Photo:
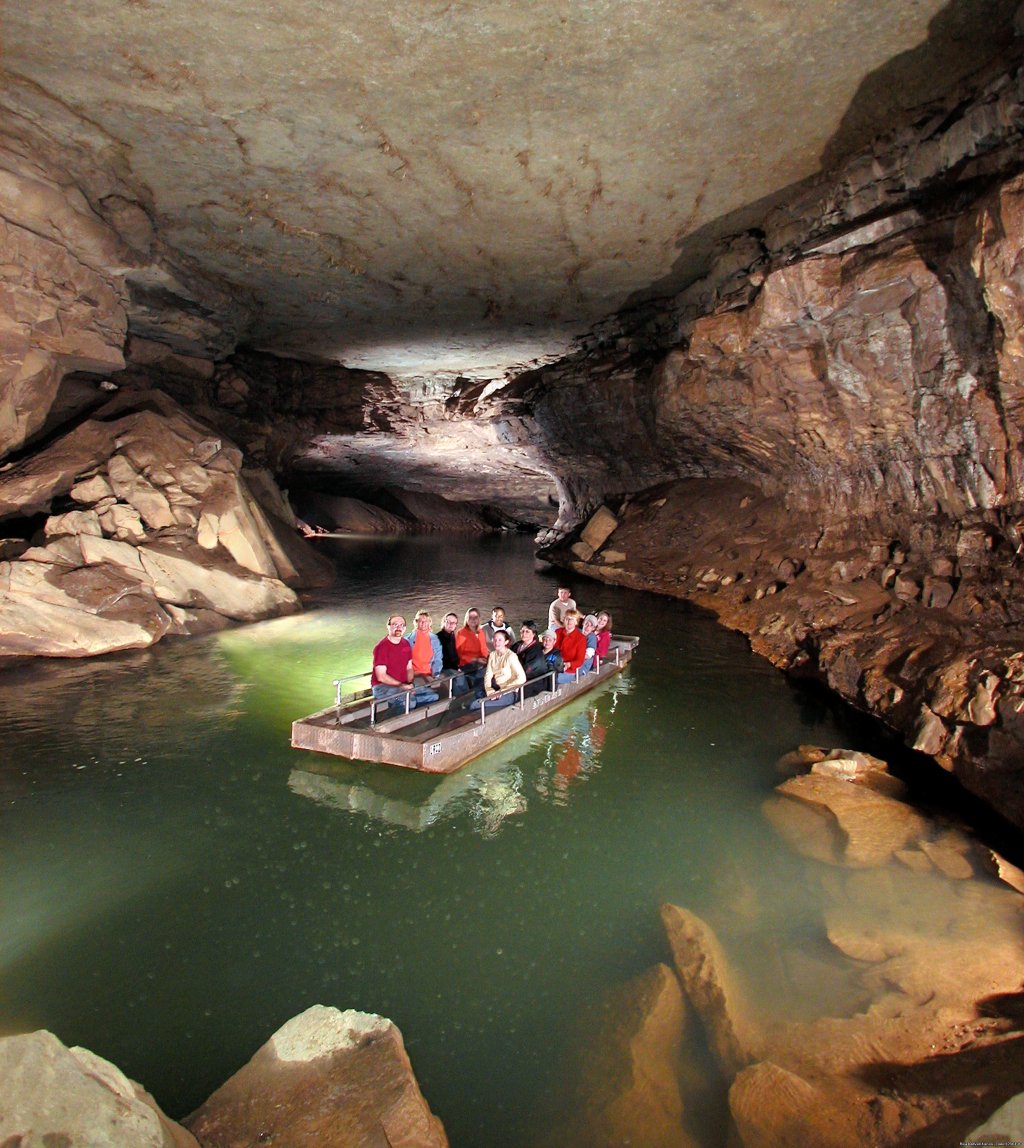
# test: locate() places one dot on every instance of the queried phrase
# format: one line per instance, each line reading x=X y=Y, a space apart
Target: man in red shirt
x=392 y=671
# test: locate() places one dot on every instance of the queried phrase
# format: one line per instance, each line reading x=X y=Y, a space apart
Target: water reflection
x=561 y=751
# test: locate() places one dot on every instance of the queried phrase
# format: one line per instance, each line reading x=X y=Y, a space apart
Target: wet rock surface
x=816 y=597
x=166 y=536
x=325 y=1077
x=53 y=1095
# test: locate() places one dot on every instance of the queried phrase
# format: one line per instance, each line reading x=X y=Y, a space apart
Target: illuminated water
x=177 y=881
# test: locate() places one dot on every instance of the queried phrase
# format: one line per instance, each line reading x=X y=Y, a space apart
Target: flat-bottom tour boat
x=441 y=736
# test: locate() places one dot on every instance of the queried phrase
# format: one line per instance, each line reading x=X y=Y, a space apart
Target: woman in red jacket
x=572 y=645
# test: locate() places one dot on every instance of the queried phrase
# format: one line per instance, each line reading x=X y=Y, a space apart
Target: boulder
x=173 y=534
x=711 y=989
x=599 y=529
x=325 y=1078
x=51 y=1096
x=641 y=1079
x=775 y=1108
x=870 y=825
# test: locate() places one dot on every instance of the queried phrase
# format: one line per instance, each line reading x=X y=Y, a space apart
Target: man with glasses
x=392 y=669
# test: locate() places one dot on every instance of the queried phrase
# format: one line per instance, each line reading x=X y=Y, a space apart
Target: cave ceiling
x=441 y=189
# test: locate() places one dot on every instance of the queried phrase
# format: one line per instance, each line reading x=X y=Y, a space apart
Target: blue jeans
x=491 y=704
x=420 y=696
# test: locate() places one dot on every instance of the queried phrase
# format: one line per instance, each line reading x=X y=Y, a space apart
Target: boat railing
x=449 y=681
x=552 y=677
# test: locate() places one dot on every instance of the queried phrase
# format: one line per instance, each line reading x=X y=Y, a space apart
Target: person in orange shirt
x=472 y=646
x=426 y=650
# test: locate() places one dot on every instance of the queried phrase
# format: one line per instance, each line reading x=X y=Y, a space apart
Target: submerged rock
x=863 y=827
x=711 y=989
x=641 y=1078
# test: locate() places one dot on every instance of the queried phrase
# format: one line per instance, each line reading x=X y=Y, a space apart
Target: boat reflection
x=489 y=790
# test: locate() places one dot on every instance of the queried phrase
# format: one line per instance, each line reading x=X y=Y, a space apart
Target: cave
x=719 y=304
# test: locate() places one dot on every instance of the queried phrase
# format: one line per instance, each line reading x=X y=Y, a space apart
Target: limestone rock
x=641 y=1081
x=871 y=826
x=325 y=1077
x=110 y=571
x=774 y=1108
x=51 y=1095
x=599 y=528
x=711 y=989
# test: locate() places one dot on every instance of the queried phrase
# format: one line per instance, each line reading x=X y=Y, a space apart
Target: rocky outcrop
x=326 y=1077
x=918 y=1026
x=51 y=1095
x=642 y=1079
x=152 y=528
x=855 y=605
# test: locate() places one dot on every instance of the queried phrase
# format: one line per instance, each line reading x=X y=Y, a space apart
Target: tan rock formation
x=175 y=535
x=325 y=1077
x=50 y=1094
x=641 y=1077
x=870 y=826
x=712 y=990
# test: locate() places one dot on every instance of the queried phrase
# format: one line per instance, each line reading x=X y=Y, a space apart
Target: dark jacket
x=449 y=654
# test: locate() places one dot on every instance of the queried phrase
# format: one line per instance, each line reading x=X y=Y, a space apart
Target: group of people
x=486 y=662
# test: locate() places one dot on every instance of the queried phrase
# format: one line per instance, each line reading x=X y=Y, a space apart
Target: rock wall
x=826 y=450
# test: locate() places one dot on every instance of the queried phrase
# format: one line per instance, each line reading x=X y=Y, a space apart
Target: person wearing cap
x=552 y=657
x=589 y=629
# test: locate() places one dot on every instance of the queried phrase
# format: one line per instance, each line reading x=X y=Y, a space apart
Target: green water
x=177 y=881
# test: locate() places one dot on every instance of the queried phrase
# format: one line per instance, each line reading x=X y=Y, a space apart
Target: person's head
x=548 y=639
x=564 y=593
x=528 y=632
x=589 y=623
x=451 y=622
x=473 y=618
x=498 y=615
x=500 y=640
x=571 y=620
x=396 y=626
x=422 y=620
x=604 y=620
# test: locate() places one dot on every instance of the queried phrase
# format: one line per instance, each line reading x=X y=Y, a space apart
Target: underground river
x=177 y=882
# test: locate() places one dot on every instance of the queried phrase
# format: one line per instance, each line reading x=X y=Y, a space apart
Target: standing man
x=559 y=608
x=392 y=671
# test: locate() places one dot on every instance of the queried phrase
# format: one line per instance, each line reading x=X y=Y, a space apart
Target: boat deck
x=442 y=736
